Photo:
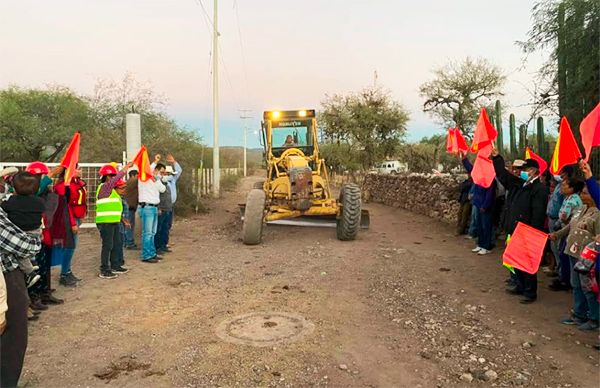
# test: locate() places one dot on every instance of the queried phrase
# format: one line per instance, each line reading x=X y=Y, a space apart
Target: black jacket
x=527 y=203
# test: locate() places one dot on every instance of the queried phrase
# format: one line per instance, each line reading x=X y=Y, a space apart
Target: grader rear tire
x=254 y=217
x=348 y=222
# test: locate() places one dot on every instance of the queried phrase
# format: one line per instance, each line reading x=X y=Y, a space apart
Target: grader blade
x=314 y=221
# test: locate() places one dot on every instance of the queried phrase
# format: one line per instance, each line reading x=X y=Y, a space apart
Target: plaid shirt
x=14 y=243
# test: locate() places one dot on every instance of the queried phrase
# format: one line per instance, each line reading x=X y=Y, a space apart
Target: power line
x=243 y=51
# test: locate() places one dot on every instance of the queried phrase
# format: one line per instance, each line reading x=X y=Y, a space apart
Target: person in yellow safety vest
x=108 y=217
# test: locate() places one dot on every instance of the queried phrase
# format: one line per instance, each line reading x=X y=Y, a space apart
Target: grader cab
x=297 y=188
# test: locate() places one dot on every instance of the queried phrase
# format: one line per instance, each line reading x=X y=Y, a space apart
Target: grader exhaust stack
x=297 y=189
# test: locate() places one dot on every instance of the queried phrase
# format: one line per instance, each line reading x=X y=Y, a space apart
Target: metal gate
x=89 y=173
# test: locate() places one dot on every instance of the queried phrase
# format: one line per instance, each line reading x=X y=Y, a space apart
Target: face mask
x=558 y=178
x=166 y=179
x=524 y=175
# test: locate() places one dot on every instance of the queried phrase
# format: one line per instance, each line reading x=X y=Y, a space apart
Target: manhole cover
x=264 y=329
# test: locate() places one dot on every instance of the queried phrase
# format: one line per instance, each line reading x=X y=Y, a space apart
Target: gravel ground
x=405 y=305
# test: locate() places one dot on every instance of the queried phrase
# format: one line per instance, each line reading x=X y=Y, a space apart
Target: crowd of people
x=40 y=215
x=565 y=206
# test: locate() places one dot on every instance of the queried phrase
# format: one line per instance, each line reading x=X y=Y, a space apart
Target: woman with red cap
x=41 y=292
x=65 y=224
x=108 y=218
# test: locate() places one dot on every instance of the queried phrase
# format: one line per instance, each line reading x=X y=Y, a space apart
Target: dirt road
x=405 y=305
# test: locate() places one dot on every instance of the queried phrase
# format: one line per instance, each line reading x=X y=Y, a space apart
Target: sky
x=275 y=54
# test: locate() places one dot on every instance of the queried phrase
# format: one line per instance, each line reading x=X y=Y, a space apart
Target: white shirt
x=149 y=191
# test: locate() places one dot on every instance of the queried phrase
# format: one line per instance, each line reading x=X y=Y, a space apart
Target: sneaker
x=151 y=260
x=556 y=285
x=120 y=270
x=31 y=279
x=66 y=281
x=476 y=249
x=132 y=248
x=49 y=299
x=37 y=305
x=513 y=291
x=157 y=257
x=165 y=250
x=484 y=251
x=73 y=277
x=469 y=237
x=589 y=326
x=107 y=275
x=572 y=320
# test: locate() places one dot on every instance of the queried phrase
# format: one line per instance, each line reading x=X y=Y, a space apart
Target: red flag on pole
x=590 y=131
x=142 y=162
x=529 y=154
x=485 y=133
x=460 y=141
x=566 y=150
x=71 y=158
x=451 y=141
x=525 y=249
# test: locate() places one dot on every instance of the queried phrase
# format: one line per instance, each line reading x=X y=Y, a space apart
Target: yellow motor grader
x=296 y=190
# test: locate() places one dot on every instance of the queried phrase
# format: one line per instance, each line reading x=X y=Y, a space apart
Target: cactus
x=540 y=138
x=513 y=136
x=522 y=138
x=498 y=114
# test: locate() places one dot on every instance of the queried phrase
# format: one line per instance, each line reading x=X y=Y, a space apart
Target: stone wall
x=433 y=196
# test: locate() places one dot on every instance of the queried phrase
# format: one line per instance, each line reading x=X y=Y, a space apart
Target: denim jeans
x=474 y=221
x=112 y=244
x=164 y=227
x=564 y=272
x=149 y=219
x=484 y=230
x=64 y=256
x=585 y=304
x=129 y=240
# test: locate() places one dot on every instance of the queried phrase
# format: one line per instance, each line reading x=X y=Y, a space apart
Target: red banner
x=525 y=249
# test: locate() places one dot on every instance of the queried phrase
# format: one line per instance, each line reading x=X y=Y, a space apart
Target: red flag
x=525 y=249
x=142 y=162
x=451 y=141
x=483 y=172
x=529 y=154
x=71 y=158
x=460 y=140
x=485 y=133
x=590 y=131
x=566 y=151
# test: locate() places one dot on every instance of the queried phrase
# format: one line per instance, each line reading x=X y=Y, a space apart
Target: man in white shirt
x=148 y=200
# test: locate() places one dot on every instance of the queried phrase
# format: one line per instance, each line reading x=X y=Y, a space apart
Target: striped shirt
x=14 y=243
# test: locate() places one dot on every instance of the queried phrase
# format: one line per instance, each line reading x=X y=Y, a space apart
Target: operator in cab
x=289 y=141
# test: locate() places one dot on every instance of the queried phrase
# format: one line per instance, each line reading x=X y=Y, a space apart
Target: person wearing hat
x=108 y=218
x=6 y=175
x=528 y=205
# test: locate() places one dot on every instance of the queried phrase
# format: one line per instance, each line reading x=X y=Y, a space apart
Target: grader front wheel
x=253 y=217
x=348 y=221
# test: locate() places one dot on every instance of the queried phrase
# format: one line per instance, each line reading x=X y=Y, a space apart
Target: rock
x=481 y=360
x=343 y=367
x=527 y=345
x=466 y=377
x=490 y=375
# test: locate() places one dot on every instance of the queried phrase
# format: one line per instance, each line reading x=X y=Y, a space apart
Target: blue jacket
x=482 y=198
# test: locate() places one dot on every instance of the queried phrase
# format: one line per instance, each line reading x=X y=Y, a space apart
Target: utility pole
x=216 y=166
x=244 y=117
